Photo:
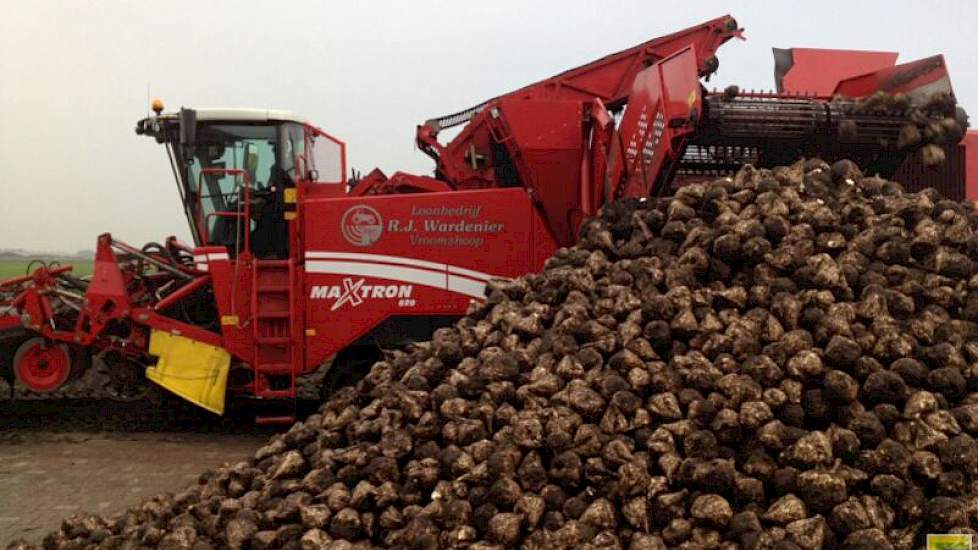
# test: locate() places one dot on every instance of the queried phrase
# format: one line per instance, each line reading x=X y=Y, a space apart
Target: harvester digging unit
x=293 y=264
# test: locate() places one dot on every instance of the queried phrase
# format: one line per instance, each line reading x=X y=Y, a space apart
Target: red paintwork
x=818 y=71
x=107 y=301
x=430 y=275
x=39 y=276
x=9 y=322
x=152 y=319
x=665 y=103
x=182 y=293
x=542 y=129
x=35 y=311
x=43 y=366
x=107 y=295
x=922 y=78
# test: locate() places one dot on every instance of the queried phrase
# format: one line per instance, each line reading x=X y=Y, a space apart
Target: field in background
x=16 y=268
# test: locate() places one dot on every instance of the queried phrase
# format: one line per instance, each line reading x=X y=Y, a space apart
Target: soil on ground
x=61 y=457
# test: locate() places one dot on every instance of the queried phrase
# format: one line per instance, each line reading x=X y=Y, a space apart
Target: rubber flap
x=195 y=371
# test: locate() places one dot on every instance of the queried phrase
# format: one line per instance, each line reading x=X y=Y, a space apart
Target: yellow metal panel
x=288 y=195
x=290 y=215
x=231 y=320
x=195 y=371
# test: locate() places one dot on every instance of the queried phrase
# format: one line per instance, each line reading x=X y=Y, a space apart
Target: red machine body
x=301 y=266
x=813 y=71
x=430 y=256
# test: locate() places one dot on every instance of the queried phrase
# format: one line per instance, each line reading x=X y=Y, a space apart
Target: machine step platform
x=277 y=357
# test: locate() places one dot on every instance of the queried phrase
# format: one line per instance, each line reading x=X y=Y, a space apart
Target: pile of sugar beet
x=783 y=359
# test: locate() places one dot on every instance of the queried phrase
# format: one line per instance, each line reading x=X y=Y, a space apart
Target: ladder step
x=273 y=315
x=273 y=339
x=276 y=394
x=274 y=264
x=274 y=368
x=274 y=420
x=273 y=289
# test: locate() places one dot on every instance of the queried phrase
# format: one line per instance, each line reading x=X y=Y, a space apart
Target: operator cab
x=238 y=171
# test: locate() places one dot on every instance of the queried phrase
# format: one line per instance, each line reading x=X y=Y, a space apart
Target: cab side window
x=293 y=149
x=326 y=158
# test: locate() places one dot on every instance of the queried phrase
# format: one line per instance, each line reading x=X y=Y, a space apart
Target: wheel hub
x=42 y=366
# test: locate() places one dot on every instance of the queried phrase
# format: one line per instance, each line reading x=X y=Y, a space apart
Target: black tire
x=9 y=342
x=128 y=382
x=81 y=361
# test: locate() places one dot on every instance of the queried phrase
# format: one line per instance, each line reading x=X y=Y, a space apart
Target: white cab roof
x=244 y=115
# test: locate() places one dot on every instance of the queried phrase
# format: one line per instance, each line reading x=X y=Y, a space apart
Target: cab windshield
x=224 y=159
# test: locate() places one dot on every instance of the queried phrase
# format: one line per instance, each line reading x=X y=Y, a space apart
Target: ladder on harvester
x=276 y=357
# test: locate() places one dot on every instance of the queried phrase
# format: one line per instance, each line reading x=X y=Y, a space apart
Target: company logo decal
x=357 y=292
x=361 y=225
x=949 y=542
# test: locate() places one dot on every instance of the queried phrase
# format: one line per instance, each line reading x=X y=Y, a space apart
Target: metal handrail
x=246 y=214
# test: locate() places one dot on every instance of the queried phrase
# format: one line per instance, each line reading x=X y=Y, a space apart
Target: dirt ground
x=62 y=457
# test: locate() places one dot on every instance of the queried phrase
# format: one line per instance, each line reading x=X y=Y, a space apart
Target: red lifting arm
x=609 y=78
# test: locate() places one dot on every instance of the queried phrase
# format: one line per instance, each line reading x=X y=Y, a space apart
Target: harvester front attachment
x=138 y=303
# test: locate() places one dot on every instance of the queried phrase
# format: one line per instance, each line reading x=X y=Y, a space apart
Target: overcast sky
x=74 y=76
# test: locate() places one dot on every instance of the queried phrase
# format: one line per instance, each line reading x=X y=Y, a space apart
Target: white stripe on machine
x=391 y=272
x=400 y=260
x=215 y=257
x=408 y=270
x=373 y=258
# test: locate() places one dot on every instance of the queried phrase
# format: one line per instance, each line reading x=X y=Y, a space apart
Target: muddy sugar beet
x=783 y=359
x=931 y=125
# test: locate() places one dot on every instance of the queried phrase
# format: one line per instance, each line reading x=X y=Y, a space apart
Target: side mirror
x=188 y=131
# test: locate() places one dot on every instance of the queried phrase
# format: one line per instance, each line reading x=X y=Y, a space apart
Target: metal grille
x=758 y=118
x=715 y=160
x=455 y=119
x=766 y=117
